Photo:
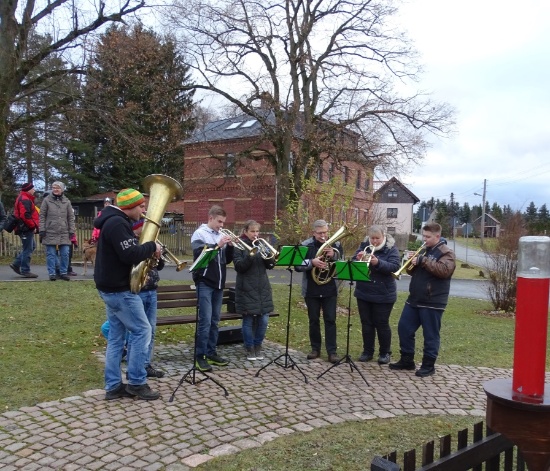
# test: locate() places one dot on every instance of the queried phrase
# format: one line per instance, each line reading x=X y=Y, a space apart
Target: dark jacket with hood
x=253 y=290
x=214 y=274
x=117 y=251
x=309 y=287
x=382 y=287
x=431 y=277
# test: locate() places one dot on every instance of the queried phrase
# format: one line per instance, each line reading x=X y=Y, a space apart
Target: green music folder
x=291 y=255
x=206 y=256
x=353 y=271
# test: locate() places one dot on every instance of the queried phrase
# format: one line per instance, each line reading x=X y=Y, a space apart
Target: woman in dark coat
x=375 y=298
x=253 y=298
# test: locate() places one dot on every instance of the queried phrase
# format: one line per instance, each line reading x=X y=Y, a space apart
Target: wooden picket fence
x=488 y=450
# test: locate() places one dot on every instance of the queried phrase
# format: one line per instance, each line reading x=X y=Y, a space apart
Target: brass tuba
x=162 y=190
x=323 y=276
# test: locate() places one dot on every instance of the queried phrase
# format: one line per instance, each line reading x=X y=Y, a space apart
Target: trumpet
x=265 y=249
x=169 y=256
x=238 y=242
x=405 y=266
x=366 y=257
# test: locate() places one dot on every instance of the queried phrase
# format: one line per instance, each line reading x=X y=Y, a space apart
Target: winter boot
x=406 y=362
x=427 y=368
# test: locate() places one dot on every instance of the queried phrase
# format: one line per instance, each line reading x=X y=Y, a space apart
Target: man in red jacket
x=26 y=212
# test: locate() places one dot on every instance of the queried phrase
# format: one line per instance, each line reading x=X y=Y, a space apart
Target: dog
x=89 y=251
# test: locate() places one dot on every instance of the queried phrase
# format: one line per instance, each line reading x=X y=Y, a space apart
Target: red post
x=533 y=285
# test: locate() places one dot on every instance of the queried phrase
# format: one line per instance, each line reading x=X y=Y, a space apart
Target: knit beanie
x=59 y=184
x=129 y=198
x=27 y=187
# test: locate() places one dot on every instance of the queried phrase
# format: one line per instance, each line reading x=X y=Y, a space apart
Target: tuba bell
x=162 y=190
x=323 y=276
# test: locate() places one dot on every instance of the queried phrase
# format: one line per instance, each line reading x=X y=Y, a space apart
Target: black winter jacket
x=117 y=251
x=309 y=287
x=253 y=290
x=382 y=287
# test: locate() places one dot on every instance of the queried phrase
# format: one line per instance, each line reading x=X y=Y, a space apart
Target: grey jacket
x=56 y=220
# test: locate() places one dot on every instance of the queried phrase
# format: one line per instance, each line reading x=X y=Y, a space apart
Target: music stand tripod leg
x=190 y=376
x=289 y=362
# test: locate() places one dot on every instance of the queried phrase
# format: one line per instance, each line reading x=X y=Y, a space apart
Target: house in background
x=225 y=163
x=393 y=206
x=492 y=226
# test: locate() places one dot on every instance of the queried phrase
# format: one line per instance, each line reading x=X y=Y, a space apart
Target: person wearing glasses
x=320 y=297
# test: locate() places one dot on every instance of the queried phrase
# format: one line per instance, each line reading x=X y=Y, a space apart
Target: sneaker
x=65 y=277
x=142 y=391
x=152 y=373
x=365 y=357
x=217 y=360
x=259 y=352
x=313 y=354
x=117 y=393
x=29 y=275
x=333 y=358
x=201 y=364
x=53 y=278
x=15 y=268
x=250 y=353
x=384 y=359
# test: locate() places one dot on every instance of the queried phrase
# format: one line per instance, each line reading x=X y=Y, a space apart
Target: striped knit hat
x=129 y=198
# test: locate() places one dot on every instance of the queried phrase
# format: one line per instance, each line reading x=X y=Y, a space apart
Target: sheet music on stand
x=291 y=255
x=352 y=271
x=206 y=256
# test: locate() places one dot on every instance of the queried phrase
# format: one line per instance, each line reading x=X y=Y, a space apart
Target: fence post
x=380 y=464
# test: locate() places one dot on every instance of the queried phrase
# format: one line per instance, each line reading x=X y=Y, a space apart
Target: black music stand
x=289 y=256
x=202 y=262
x=352 y=271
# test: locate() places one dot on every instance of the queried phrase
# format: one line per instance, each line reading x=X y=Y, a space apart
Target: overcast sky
x=490 y=59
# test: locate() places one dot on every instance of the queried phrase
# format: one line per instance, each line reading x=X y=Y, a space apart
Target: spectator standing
x=253 y=297
x=210 y=282
x=376 y=297
x=320 y=297
x=431 y=272
x=57 y=229
x=118 y=251
x=25 y=210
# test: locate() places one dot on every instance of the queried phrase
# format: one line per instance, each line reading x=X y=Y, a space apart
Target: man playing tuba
x=320 y=296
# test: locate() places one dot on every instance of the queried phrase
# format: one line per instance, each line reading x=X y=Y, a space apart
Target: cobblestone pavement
x=88 y=433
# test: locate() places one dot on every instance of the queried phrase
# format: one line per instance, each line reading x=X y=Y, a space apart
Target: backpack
x=11 y=223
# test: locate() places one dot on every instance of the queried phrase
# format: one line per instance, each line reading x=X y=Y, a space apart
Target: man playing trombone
x=431 y=269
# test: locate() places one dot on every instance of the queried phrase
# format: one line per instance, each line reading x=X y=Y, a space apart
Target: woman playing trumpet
x=253 y=298
x=375 y=298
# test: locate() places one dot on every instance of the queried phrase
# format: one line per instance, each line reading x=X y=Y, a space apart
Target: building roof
x=394 y=181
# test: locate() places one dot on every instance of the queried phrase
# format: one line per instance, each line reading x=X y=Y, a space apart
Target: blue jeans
x=254 y=328
x=314 y=306
x=23 y=258
x=125 y=312
x=51 y=259
x=210 y=308
x=149 y=298
x=411 y=319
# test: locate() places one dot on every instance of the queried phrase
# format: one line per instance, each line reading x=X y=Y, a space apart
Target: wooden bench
x=185 y=296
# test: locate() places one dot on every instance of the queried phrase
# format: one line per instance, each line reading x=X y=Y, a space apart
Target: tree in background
x=137 y=109
x=22 y=75
x=325 y=73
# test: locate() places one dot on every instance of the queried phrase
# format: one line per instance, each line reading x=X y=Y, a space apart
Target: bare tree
x=68 y=23
x=319 y=67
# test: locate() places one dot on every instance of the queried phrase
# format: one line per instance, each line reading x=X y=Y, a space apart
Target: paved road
x=475 y=289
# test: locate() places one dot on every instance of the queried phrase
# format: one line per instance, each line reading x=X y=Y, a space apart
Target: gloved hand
x=41 y=236
x=74 y=240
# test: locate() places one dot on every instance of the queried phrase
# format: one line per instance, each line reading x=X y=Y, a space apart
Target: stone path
x=88 y=433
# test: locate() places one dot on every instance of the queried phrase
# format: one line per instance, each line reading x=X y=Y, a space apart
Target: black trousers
x=375 y=319
x=314 y=307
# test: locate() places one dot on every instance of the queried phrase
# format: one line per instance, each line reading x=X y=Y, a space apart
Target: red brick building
x=225 y=164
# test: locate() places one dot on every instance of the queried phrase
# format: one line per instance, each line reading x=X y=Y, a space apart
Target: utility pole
x=483 y=210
